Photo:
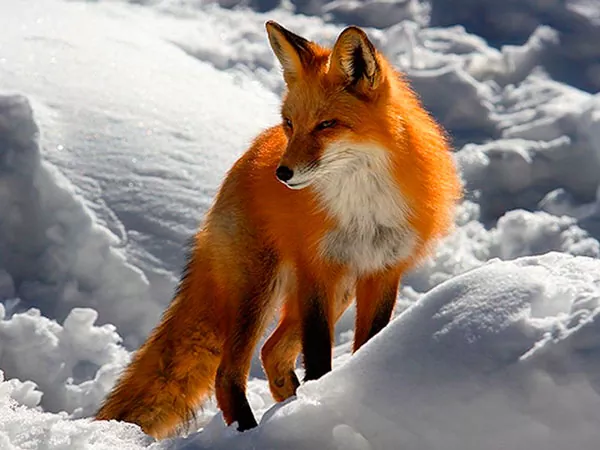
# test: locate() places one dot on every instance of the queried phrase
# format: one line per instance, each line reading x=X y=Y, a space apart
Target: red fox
x=352 y=189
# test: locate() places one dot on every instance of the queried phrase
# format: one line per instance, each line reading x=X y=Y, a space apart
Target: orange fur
x=348 y=118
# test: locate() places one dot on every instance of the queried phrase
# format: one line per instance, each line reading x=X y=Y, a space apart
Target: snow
x=24 y=426
x=473 y=365
x=148 y=145
x=118 y=121
x=577 y=23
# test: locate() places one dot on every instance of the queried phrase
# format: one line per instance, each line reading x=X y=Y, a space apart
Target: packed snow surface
x=118 y=121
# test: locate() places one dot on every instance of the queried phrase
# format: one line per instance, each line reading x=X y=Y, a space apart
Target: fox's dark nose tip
x=284 y=173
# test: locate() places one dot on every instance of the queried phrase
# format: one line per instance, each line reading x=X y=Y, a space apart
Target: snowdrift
x=53 y=254
x=141 y=131
x=504 y=356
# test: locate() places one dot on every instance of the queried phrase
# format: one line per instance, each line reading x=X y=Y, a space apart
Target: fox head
x=335 y=102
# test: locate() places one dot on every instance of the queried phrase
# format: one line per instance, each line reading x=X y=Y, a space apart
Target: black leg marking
x=241 y=409
x=384 y=313
x=316 y=341
x=248 y=326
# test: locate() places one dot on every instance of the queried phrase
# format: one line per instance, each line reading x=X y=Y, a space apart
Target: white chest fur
x=358 y=190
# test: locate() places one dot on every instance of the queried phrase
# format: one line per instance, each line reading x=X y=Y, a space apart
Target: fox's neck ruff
x=358 y=191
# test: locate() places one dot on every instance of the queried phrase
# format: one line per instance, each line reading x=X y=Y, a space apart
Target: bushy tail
x=172 y=373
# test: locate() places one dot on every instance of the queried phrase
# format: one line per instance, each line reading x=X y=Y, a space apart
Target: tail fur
x=173 y=372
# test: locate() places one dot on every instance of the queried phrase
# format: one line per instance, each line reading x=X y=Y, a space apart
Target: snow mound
x=142 y=132
x=73 y=365
x=504 y=356
x=547 y=144
x=56 y=431
x=53 y=255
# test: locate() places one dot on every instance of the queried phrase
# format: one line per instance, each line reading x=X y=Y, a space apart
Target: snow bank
x=505 y=356
x=546 y=143
x=73 y=365
x=56 y=431
x=142 y=130
x=52 y=253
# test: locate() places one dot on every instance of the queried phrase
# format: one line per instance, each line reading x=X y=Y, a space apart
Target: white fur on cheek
x=358 y=190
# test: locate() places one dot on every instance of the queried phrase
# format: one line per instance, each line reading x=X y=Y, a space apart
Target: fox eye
x=326 y=124
x=288 y=123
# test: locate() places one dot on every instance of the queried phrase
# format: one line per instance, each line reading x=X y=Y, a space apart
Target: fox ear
x=292 y=51
x=354 y=58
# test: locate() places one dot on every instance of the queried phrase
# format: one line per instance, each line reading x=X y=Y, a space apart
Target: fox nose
x=284 y=173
